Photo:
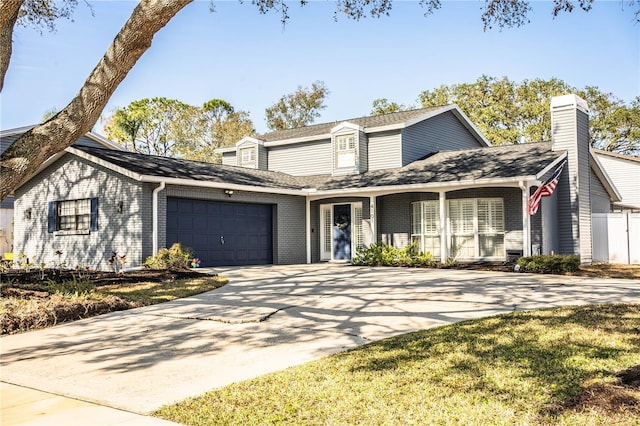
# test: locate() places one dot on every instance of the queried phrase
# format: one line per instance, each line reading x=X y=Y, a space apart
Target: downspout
x=155 y=216
x=308 y=227
x=526 y=219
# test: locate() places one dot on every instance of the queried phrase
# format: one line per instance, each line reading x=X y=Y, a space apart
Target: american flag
x=545 y=190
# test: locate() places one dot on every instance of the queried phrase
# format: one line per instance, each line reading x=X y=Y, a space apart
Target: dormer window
x=345 y=146
x=248 y=157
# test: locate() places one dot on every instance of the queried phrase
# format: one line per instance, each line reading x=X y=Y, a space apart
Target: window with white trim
x=247 y=157
x=345 y=151
x=491 y=227
x=73 y=215
x=461 y=223
x=476 y=227
x=425 y=227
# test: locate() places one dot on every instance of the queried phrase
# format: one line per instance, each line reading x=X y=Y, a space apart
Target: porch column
x=308 y=228
x=444 y=240
x=526 y=219
x=372 y=218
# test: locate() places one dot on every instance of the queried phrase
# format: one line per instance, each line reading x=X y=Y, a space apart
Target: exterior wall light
x=229 y=192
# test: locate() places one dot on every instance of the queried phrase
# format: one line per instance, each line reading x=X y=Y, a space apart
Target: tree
x=383 y=106
x=171 y=128
x=30 y=150
x=297 y=109
x=152 y=126
x=509 y=112
x=218 y=125
x=49 y=114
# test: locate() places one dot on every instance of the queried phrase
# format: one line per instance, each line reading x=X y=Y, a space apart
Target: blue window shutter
x=94 y=214
x=51 y=217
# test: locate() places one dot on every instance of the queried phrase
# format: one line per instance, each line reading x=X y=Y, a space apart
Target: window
x=491 y=228
x=462 y=228
x=425 y=227
x=248 y=157
x=73 y=215
x=345 y=150
x=477 y=228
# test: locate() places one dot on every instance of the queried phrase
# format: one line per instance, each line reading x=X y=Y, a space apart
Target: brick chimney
x=570 y=133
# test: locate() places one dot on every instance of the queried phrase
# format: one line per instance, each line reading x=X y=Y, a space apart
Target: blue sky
x=250 y=60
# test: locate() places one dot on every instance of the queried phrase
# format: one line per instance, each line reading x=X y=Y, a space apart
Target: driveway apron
x=266 y=319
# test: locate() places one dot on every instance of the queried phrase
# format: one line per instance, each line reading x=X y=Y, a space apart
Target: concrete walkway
x=266 y=319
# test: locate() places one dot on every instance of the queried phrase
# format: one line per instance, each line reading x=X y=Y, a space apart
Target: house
x=320 y=192
x=7 y=138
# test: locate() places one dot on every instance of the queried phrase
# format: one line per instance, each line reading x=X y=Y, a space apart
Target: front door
x=342 y=232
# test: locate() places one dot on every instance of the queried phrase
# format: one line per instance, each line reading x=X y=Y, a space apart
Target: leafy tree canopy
x=510 y=112
x=171 y=128
x=297 y=109
x=30 y=150
x=383 y=106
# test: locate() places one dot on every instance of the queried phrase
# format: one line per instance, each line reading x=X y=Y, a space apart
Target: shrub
x=73 y=287
x=380 y=254
x=174 y=258
x=554 y=263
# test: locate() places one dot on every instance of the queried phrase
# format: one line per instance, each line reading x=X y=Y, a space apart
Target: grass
x=31 y=310
x=151 y=293
x=610 y=270
x=525 y=368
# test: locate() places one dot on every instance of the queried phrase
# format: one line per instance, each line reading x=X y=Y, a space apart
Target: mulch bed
x=37 y=278
x=30 y=306
x=609 y=398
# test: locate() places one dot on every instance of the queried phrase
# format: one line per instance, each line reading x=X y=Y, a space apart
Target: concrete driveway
x=266 y=319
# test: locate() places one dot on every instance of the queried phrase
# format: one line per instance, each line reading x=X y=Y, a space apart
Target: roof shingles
x=368 y=121
x=446 y=168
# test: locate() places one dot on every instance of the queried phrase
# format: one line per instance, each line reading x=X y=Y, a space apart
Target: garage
x=222 y=233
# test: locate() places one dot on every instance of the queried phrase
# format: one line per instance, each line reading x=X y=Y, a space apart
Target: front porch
x=470 y=224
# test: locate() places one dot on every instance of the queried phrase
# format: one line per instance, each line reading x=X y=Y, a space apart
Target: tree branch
x=8 y=15
x=23 y=158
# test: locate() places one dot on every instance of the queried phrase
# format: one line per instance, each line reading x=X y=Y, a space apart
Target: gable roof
x=500 y=164
x=147 y=167
x=9 y=136
x=471 y=167
x=371 y=123
x=368 y=121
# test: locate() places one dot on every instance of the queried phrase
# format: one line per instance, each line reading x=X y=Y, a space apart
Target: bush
x=554 y=263
x=380 y=254
x=73 y=287
x=174 y=258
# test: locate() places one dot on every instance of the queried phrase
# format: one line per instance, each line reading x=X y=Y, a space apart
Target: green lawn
x=526 y=368
x=150 y=293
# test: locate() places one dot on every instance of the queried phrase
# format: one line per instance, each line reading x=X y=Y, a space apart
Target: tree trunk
x=8 y=15
x=22 y=159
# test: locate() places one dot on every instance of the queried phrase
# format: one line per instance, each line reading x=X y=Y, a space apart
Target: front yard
x=566 y=366
x=29 y=301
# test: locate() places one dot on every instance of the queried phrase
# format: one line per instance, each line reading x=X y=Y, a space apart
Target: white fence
x=616 y=237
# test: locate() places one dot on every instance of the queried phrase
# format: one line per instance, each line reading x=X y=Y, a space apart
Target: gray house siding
x=443 y=132
x=394 y=214
x=289 y=228
x=303 y=159
x=229 y=158
x=263 y=163
x=72 y=178
x=363 y=152
x=600 y=201
x=624 y=174
x=570 y=132
x=385 y=150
